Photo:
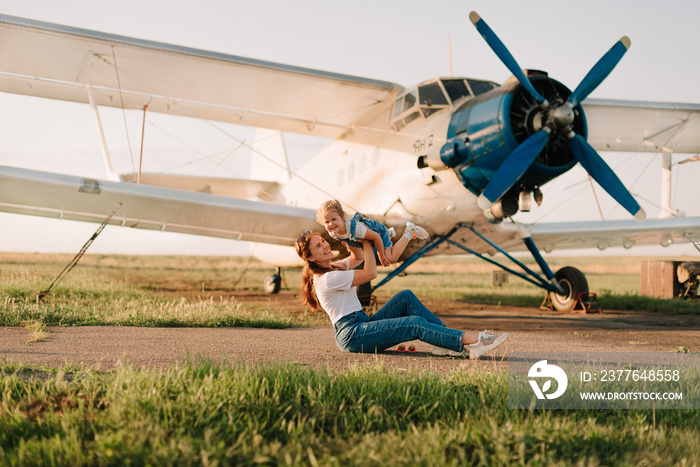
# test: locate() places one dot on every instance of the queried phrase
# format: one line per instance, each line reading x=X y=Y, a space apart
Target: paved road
x=104 y=347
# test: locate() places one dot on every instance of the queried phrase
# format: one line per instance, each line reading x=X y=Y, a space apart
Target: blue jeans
x=403 y=318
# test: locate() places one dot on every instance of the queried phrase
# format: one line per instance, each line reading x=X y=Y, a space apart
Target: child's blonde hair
x=330 y=205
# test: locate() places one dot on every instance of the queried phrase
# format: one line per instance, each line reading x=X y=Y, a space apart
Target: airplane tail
x=269 y=162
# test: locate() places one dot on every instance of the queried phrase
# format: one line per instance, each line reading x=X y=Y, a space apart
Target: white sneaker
x=489 y=341
x=443 y=352
x=417 y=231
x=486 y=337
x=392 y=232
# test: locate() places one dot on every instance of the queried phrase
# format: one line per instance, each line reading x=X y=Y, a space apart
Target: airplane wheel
x=273 y=284
x=573 y=282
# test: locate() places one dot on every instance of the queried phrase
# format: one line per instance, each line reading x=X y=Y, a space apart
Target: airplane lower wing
x=625 y=233
x=194 y=212
x=150 y=207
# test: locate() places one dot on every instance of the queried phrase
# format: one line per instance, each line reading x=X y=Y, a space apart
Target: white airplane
x=459 y=156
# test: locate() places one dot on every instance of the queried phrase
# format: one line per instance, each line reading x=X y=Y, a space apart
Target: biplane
x=459 y=156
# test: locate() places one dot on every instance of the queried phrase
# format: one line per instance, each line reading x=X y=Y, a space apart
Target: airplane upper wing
x=150 y=207
x=235 y=188
x=66 y=63
x=615 y=125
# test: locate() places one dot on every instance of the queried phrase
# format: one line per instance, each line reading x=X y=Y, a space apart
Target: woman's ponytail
x=308 y=294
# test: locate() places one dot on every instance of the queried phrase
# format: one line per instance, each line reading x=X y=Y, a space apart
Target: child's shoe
x=416 y=231
x=392 y=232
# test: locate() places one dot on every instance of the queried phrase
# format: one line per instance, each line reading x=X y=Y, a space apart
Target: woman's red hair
x=308 y=293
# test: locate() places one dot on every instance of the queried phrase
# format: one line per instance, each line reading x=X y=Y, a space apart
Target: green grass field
x=226 y=413
x=200 y=291
x=135 y=291
x=205 y=413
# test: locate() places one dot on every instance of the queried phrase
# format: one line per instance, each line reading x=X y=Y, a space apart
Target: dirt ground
x=530 y=329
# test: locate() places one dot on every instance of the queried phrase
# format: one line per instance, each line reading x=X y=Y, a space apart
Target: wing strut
x=549 y=283
x=143 y=136
x=89 y=61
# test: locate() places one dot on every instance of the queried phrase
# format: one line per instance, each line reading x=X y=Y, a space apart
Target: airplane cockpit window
x=480 y=87
x=427 y=99
x=456 y=88
x=409 y=100
x=431 y=94
x=432 y=98
x=404 y=104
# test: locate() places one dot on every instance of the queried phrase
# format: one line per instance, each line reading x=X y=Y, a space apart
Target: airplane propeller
x=510 y=171
x=603 y=174
x=556 y=118
x=497 y=46
x=600 y=71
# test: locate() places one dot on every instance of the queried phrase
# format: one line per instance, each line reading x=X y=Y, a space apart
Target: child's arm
x=375 y=238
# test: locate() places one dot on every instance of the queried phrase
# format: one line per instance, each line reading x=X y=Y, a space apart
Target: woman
x=403 y=318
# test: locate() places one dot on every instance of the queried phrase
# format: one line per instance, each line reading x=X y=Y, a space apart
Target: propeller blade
x=603 y=174
x=600 y=71
x=513 y=168
x=502 y=52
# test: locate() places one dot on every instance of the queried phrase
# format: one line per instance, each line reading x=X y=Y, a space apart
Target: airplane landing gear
x=573 y=282
x=563 y=288
x=273 y=283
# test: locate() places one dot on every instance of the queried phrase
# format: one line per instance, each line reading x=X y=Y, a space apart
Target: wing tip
x=626 y=42
x=640 y=215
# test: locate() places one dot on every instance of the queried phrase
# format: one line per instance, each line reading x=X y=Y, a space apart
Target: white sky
x=401 y=41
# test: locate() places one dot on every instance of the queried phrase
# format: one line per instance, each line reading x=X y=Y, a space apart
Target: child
x=338 y=226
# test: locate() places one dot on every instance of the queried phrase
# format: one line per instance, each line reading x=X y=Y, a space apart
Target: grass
x=207 y=413
x=201 y=291
x=216 y=413
x=148 y=291
x=38 y=330
x=67 y=310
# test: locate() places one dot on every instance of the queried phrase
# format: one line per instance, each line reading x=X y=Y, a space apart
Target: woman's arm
x=357 y=256
x=369 y=270
x=351 y=262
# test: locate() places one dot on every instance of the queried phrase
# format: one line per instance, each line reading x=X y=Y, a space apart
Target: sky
x=405 y=42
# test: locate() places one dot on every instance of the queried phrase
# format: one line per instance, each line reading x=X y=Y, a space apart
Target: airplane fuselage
x=401 y=180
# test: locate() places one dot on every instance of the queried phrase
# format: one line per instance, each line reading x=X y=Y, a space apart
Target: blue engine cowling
x=485 y=130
